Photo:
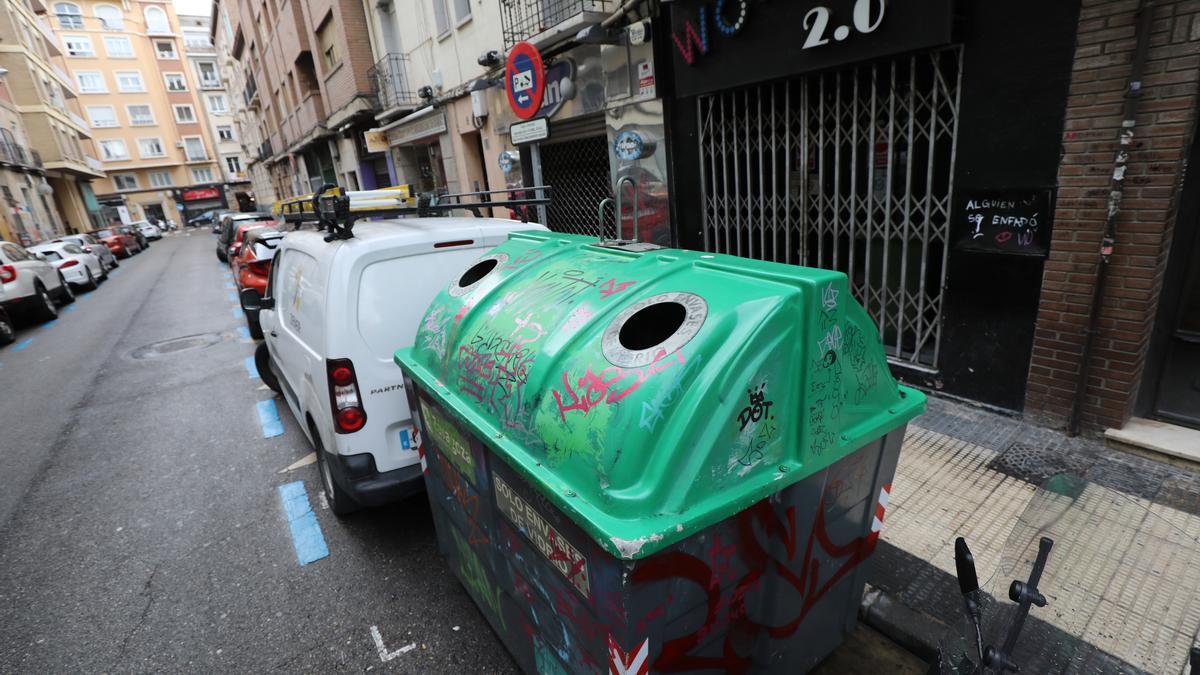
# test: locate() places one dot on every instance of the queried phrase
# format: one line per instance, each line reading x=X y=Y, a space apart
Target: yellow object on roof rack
x=363 y=202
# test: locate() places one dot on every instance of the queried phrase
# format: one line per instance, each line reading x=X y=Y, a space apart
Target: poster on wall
x=1015 y=222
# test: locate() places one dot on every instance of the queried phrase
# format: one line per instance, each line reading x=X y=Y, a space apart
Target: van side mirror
x=252 y=301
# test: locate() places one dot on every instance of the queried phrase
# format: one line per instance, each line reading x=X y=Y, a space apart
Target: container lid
x=649 y=394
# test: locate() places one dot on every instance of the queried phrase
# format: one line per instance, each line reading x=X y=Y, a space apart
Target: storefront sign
x=1009 y=221
x=528 y=132
x=201 y=193
x=524 y=80
x=418 y=126
x=560 y=86
x=375 y=140
x=718 y=44
x=629 y=146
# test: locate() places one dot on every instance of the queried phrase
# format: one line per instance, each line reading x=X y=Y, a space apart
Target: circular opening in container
x=477 y=271
x=651 y=326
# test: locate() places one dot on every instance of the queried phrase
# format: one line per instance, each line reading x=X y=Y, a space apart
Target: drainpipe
x=1133 y=91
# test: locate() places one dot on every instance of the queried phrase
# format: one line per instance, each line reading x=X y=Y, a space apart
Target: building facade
x=145 y=106
x=46 y=161
x=217 y=104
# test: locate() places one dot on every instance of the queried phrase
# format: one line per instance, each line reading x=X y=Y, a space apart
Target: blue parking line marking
x=228 y=284
x=237 y=312
x=268 y=418
x=70 y=308
x=306 y=532
x=244 y=332
x=22 y=344
x=233 y=297
x=251 y=369
x=50 y=324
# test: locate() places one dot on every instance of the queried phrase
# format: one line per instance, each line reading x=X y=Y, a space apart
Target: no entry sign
x=524 y=80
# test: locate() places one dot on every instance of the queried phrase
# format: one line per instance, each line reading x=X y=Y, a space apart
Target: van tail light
x=8 y=274
x=69 y=263
x=344 y=399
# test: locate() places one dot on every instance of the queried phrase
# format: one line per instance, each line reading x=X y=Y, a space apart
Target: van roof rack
x=336 y=210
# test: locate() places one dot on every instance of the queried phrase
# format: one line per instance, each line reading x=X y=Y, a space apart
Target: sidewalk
x=1133 y=569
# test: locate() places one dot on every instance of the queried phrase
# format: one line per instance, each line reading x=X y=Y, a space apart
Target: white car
x=31 y=284
x=90 y=244
x=8 y=332
x=80 y=268
x=148 y=229
x=334 y=314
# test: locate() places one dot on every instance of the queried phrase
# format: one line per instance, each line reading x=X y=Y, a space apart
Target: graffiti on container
x=545 y=660
x=499 y=305
x=554 y=288
x=546 y=539
x=609 y=385
x=467 y=500
x=832 y=340
x=449 y=441
x=494 y=368
x=652 y=410
x=434 y=334
x=866 y=370
x=526 y=257
x=766 y=550
x=829 y=298
x=576 y=319
x=757 y=408
x=474 y=577
x=611 y=287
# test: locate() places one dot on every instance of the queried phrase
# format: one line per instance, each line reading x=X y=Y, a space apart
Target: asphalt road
x=141 y=525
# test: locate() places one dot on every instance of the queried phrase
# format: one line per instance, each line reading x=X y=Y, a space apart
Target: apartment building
x=45 y=154
x=217 y=106
x=145 y=105
x=305 y=70
x=252 y=143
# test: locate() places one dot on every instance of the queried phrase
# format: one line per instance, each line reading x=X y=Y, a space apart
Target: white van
x=334 y=314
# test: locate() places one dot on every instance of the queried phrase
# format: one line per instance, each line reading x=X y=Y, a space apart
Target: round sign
x=628 y=146
x=524 y=80
x=506 y=161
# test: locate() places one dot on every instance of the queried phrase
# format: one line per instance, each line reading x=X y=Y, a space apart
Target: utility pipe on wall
x=1145 y=14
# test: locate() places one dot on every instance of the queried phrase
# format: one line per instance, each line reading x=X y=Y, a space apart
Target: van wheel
x=44 y=309
x=262 y=363
x=340 y=503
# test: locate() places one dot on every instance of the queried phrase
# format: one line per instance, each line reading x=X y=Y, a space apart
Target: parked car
x=229 y=224
x=252 y=265
x=8 y=332
x=239 y=236
x=333 y=315
x=80 y=268
x=148 y=229
x=207 y=218
x=90 y=244
x=122 y=244
x=136 y=234
x=31 y=285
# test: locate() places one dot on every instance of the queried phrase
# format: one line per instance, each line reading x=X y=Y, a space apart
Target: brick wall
x=1165 y=120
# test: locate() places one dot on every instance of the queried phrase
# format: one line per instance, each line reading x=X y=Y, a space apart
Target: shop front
x=416 y=152
x=197 y=199
x=913 y=147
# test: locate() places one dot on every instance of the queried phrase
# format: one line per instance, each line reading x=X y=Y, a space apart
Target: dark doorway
x=578 y=172
x=154 y=212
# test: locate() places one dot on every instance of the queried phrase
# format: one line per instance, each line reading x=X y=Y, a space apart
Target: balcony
x=211 y=83
x=389 y=83
x=12 y=154
x=250 y=94
x=264 y=151
x=544 y=21
x=94 y=163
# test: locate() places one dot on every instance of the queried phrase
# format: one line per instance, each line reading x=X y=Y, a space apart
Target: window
x=90 y=82
x=440 y=18
x=130 y=80
x=161 y=179
x=326 y=38
x=102 y=116
x=202 y=175
x=118 y=47
x=69 y=15
x=151 y=147
x=125 y=181
x=175 y=82
x=165 y=49
x=207 y=70
x=78 y=45
x=110 y=17
x=156 y=21
x=196 y=42
x=217 y=104
x=114 y=149
x=194 y=148
x=224 y=132
x=462 y=10
x=234 y=164
x=140 y=115
x=184 y=113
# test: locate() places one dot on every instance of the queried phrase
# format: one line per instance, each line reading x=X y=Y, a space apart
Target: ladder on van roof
x=336 y=210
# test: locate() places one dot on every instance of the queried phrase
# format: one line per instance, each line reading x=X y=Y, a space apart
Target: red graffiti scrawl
x=608 y=386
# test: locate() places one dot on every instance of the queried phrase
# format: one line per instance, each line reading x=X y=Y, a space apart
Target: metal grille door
x=578 y=172
x=848 y=170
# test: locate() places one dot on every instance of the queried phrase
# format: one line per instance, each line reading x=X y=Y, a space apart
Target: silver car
x=89 y=243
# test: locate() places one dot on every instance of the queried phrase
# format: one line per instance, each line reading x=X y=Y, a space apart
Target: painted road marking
x=244 y=332
x=229 y=284
x=233 y=297
x=306 y=532
x=237 y=312
x=384 y=654
x=69 y=308
x=22 y=344
x=310 y=458
x=268 y=418
x=50 y=324
x=251 y=369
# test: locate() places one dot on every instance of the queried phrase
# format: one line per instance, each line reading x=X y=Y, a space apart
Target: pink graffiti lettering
x=612 y=287
x=594 y=389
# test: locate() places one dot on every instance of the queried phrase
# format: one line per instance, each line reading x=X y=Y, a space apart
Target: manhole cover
x=176 y=345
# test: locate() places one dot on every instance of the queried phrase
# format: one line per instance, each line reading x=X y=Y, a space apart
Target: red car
x=239 y=235
x=122 y=245
x=252 y=265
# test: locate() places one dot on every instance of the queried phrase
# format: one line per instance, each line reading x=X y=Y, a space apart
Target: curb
x=918 y=633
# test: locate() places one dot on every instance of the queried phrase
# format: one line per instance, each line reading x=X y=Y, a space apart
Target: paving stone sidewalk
x=1125 y=570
